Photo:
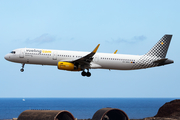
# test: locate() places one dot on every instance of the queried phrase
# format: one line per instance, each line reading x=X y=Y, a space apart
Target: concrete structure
x=110 y=114
x=46 y=115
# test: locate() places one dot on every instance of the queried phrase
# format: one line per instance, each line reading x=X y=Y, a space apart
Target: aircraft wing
x=85 y=61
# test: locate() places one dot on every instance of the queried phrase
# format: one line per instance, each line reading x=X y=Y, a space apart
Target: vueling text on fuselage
x=38 y=51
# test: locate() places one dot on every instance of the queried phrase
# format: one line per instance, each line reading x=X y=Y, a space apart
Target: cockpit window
x=13 y=52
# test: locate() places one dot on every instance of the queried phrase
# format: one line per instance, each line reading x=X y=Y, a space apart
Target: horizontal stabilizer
x=160 y=61
x=163 y=61
x=115 y=52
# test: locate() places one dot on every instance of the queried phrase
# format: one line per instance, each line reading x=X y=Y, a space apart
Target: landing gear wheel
x=88 y=74
x=83 y=73
x=22 y=70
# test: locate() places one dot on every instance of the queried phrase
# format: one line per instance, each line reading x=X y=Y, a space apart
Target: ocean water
x=82 y=108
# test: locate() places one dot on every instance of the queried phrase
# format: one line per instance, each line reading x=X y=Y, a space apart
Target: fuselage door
x=21 y=55
x=54 y=55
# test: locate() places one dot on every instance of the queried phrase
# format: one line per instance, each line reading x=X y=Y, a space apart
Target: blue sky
x=132 y=27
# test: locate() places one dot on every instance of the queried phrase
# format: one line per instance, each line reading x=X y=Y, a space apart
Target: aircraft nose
x=6 y=57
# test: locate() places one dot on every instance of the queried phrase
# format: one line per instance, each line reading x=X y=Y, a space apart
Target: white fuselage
x=81 y=61
x=52 y=57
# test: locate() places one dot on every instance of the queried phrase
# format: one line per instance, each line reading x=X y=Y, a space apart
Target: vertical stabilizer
x=156 y=56
x=161 y=47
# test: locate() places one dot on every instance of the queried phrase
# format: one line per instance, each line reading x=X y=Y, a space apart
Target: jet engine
x=68 y=66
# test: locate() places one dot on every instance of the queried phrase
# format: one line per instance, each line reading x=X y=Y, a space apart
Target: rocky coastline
x=169 y=111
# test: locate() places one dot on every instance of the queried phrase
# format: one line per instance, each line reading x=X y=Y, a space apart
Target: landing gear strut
x=88 y=74
x=22 y=69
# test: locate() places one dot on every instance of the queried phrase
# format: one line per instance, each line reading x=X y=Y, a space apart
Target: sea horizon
x=96 y=97
x=82 y=108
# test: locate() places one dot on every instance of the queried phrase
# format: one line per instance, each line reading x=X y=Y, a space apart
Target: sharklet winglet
x=95 y=50
x=115 y=52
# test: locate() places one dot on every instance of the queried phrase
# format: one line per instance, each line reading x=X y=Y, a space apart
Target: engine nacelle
x=68 y=66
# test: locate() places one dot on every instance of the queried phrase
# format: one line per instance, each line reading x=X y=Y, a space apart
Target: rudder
x=161 y=47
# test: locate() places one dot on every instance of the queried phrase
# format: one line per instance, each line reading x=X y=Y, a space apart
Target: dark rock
x=160 y=118
x=170 y=110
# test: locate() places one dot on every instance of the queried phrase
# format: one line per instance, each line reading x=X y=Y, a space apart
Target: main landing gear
x=88 y=74
x=22 y=69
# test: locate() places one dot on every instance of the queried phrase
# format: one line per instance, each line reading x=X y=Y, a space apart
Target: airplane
x=83 y=61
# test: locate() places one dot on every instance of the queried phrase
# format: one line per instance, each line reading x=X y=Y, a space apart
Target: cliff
x=170 y=109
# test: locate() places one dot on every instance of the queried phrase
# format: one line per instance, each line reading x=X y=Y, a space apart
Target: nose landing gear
x=22 y=69
x=88 y=74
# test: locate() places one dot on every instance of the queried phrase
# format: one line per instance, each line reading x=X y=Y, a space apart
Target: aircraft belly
x=116 y=65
